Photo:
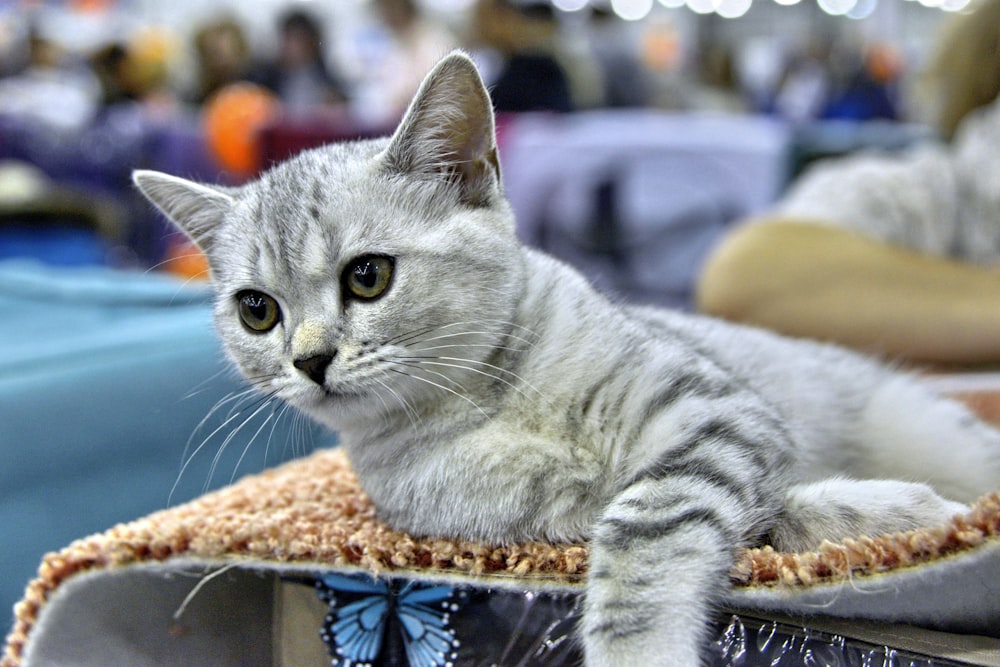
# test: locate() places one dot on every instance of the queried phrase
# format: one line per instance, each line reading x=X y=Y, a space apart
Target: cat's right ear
x=448 y=132
x=196 y=208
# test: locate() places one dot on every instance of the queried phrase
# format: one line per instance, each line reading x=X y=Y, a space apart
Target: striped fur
x=491 y=393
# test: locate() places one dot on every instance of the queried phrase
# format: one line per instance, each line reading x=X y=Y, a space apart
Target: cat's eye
x=258 y=311
x=368 y=277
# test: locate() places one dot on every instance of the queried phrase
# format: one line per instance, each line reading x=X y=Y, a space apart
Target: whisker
x=404 y=338
x=494 y=367
x=274 y=425
x=388 y=412
x=450 y=391
x=428 y=360
x=420 y=366
x=248 y=394
x=507 y=323
x=168 y=260
x=254 y=390
x=264 y=403
x=203 y=275
x=463 y=345
x=237 y=398
x=304 y=436
x=258 y=380
x=253 y=438
x=188 y=458
x=477 y=333
x=407 y=408
x=204 y=384
x=385 y=407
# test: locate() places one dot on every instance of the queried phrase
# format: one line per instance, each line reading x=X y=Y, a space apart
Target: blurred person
x=14 y=39
x=894 y=254
x=530 y=77
x=759 y=68
x=715 y=82
x=223 y=57
x=806 y=82
x=146 y=72
x=299 y=75
x=108 y=64
x=135 y=76
x=625 y=81
x=416 y=44
x=54 y=88
x=867 y=89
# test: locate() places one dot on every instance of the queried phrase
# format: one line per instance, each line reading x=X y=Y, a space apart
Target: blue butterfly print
x=367 y=616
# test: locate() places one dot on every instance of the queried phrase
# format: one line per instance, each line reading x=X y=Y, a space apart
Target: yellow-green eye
x=258 y=311
x=368 y=277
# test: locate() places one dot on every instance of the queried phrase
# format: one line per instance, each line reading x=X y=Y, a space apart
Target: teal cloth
x=105 y=378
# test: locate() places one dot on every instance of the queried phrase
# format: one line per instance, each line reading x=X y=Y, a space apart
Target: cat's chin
x=322 y=399
x=330 y=410
x=333 y=409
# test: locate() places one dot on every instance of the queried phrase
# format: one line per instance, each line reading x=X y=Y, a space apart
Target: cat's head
x=359 y=277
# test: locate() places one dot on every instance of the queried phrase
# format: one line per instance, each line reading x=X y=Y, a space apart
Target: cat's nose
x=315 y=367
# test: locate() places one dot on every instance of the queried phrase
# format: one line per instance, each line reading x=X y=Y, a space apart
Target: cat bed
x=264 y=571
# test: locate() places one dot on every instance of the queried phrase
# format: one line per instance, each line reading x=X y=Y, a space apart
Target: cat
x=484 y=390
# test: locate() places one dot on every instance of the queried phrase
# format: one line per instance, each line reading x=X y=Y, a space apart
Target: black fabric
x=383 y=622
x=531 y=82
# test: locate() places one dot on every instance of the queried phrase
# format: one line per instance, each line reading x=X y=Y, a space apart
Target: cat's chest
x=495 y=483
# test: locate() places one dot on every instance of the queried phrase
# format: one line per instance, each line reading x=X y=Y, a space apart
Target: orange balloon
x=233 y=117
x=184 y=259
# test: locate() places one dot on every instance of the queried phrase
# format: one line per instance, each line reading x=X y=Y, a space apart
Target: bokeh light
x=701 y=6
x=631 y=10
x=732 y=9
x=569 y=5
x=836 y=7
x=447 y=5
x=862 y=10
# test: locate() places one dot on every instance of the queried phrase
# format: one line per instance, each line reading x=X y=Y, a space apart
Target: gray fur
x=490 y=393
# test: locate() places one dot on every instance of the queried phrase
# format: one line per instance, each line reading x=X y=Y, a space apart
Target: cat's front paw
x=842 y=508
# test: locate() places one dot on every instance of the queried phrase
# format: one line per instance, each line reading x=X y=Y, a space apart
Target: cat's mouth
x=326 y=394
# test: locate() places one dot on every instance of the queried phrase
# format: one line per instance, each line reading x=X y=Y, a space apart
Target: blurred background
x=90 y=89
x=632 y=134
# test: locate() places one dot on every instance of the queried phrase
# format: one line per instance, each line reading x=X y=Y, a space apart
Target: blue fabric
x=62 y=246
x=105 y=378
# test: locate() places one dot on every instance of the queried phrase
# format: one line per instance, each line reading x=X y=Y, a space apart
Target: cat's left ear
x=196 y=208
x=448 y=132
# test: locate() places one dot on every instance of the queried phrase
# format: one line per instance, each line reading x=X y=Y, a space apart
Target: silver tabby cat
x=484 y=390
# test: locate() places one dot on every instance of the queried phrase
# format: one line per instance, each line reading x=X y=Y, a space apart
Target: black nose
x=315 y=367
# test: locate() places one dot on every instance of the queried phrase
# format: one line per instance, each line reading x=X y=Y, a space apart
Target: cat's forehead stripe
x=315 y=255
x=279 y=209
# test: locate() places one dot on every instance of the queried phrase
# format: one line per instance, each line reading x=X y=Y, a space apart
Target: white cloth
x=938 y=199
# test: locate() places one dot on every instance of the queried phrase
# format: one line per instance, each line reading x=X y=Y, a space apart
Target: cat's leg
x=835 y=509
x=662 y=549
x=907 y=431
x=704 y=475
x=657 y=563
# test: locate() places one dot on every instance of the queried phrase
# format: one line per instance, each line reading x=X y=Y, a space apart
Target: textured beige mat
x=312 y=511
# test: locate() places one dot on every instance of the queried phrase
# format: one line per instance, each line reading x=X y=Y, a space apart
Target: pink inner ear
x=448 y=131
